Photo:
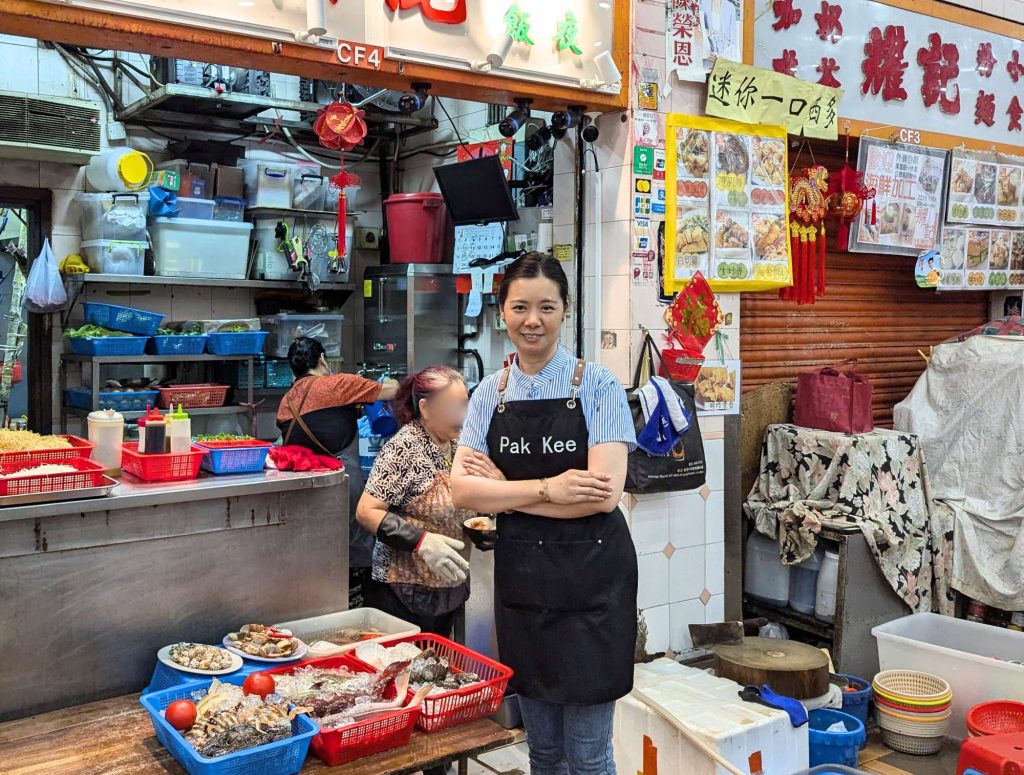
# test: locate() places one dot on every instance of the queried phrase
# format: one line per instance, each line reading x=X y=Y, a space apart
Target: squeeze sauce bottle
x=156 y=433
x=180 y=430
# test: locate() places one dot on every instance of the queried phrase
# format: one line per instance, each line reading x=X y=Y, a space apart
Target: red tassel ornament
x=808 y=198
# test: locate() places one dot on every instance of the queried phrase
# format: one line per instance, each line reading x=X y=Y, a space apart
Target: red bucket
x=417 y=224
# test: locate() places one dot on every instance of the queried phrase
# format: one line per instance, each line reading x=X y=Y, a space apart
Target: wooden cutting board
x=789 y=668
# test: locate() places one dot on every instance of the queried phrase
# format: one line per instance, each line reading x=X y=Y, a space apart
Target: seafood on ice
x=199 y=656
x=426 y=667
x=258 y=640
x=338 y=697
x=227 y=720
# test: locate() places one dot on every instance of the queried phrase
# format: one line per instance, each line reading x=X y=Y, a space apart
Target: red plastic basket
x=680 y=365
x=80 y=448
x=161 y=468
x=364 y=738
x=88 y=473
x=443 y=711
x=996 y=718
x=205 y=396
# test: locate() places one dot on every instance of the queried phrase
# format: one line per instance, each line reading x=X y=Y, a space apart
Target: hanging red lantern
x=846 y=198
x=341 y=126
x=808 y=197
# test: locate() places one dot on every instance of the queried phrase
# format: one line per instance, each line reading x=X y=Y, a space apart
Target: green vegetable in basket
x=223 y=437
x=235 y=329
x=191 y=331
x=90 y=331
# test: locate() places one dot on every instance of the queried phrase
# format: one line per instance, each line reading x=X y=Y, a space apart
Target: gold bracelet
x=544 y=497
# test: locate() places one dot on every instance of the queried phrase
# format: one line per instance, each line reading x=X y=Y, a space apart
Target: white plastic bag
x=44 y=289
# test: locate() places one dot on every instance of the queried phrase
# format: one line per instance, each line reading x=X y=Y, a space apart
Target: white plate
x=164 y=655
x=300 y=652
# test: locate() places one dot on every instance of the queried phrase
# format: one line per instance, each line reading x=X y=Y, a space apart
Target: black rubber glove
x=399 y=534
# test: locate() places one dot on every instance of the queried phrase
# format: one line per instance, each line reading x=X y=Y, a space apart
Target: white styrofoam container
x=740 y=732
x=320 y=627
x=965 y=654
x=186 y=247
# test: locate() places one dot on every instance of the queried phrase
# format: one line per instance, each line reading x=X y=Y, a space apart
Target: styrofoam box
x=668 y=697
x=320 y=627
x=965 y=654
x=184 y=247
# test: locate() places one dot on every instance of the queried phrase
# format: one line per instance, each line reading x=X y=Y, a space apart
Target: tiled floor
x=513 y=760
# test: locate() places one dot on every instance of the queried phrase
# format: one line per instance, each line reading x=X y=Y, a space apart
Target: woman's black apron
x=565 y=589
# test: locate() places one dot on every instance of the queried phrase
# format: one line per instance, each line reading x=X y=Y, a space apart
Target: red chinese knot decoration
x=829 y=26
x=785 y=14
x=884 y=63
x=808 y=203
x=941 y=63
x=846 y=198
x=340 y=126
x=986 y=60
x=787 y=63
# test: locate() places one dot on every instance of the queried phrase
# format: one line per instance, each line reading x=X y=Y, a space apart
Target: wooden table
x=115 y=737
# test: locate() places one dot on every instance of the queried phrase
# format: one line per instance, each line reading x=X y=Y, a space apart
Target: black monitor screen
x=476 y=191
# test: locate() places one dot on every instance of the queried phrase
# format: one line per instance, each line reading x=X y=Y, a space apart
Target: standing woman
x=320 y=412
x=420 y=567
x=546 y=441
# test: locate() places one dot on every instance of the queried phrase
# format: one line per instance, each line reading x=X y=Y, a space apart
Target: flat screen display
x=476 y=191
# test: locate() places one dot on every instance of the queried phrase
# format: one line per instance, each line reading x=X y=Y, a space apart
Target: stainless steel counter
x=91 y=589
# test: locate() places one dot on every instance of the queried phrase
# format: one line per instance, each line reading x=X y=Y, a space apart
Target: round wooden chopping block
x=789 y=668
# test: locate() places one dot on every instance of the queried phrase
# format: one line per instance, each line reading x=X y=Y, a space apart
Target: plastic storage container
x=765 y=578
x=234 y=457
x=140 y=322
x=857 y=703
x=161 y=468
x=79 y=448
x=803 y=582
x=327 y=626
x=186 y=247
x=668 y=695
x=204 y=396
x=183 y=344
x=242 y=343
x=828 y=583
x=269 y=185
x=271 y=263
x=227 y=208
x=417 y=227
x=285 y=757
x=199 y=209
x=113 y=217
x=165 y=677
x=109 y=345
x=309 y=192
x=115 y=256
x=973 y=658
x=106 y=431
x=122 y=401
x=278 y=374
x=119 y=169
x=87 y=473
x=285 y=328
x=834 y=747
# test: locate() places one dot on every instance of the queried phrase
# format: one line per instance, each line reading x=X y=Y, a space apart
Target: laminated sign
x=726 y=205
x=757 y=96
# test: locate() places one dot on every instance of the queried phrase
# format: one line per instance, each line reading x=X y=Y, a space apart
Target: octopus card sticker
x=927 y=271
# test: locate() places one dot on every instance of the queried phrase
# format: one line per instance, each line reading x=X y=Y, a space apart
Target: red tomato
x=259 y=683
x=181 y=714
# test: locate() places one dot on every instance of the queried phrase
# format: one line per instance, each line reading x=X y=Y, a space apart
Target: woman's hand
x=478 y=464
x=574 y=487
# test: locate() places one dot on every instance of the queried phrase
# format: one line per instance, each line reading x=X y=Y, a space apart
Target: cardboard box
x=228 y=182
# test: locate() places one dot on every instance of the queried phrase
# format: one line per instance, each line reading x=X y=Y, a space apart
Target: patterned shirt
x=601 y=396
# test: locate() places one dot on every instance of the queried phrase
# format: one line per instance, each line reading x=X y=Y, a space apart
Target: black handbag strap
x=647 y=351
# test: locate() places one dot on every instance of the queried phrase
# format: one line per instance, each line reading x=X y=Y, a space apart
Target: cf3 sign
x=360 y=55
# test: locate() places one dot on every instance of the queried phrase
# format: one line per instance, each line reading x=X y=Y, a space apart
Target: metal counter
x=91 y=589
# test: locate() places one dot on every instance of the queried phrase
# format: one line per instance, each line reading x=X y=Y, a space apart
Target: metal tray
x=29 y=499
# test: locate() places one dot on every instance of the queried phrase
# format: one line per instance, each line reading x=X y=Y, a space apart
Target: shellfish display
x=259 y=640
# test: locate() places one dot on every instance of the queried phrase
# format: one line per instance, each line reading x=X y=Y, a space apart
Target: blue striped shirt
x=601 y=396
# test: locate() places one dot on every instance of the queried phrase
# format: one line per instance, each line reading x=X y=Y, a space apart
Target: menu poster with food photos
x=985 y=189
x=726 y=208
x=907 y=208
x=981 y=259
x=717 y=387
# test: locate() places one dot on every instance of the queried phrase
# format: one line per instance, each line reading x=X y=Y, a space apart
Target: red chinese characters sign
x=898 y=66
x=684 y=41
x=454 y=15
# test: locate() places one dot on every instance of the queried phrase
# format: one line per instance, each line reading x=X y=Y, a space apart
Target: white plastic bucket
x=119 y=169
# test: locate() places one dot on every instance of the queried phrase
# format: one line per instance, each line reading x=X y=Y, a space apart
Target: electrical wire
x=454 y=125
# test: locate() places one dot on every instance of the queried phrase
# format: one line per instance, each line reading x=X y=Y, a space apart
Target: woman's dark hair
x=423 y=384
x=304 y=354
x=530 y=266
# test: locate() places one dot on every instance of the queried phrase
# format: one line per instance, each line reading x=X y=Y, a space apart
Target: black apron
x=565 y=589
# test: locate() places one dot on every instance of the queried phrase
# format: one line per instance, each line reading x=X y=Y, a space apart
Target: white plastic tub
x=120 y=217
x=185 y=247
x=322 y=627
x=969 y=655
x=669 y=697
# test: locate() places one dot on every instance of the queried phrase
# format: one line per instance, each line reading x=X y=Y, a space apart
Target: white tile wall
x=681 y=615
x=688 y=519
x=714 y=563
x=653 y=580
x=658 y=628
x=652 y=520
x=687 y=574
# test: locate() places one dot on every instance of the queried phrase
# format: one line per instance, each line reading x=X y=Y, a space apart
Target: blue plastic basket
x=178 y=344
x=279 y=374
x=284 y=757
x=834 y=747
x=165 y=677
x=248 y=457
x=117 y=318
x=242 y=343
x=132 y=401
x=857 y=703
x=109 y=345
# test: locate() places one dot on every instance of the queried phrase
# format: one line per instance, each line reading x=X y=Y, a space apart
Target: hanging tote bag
x=684 y=467
x=44 y=289
x=833 y=399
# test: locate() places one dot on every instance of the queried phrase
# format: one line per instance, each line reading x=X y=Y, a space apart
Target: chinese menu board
x=907 y=208
x=981 y=259
x=985 y=189
x=726 y=205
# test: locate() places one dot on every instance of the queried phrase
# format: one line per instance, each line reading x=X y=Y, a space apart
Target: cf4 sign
x=360 y=55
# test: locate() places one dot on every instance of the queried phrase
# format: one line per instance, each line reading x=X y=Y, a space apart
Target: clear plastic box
x=115 y=256
x=199 y=209
x=284 y=328
x=188 y=247
x=119 y=217
x=227 y=208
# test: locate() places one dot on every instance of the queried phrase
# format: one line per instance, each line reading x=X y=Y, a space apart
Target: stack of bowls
x=913 y=710
x=995 y=718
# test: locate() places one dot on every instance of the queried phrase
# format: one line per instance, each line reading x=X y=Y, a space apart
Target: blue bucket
x=834 y=747
x=829 y=769
x=382 y=421
x=857 y=703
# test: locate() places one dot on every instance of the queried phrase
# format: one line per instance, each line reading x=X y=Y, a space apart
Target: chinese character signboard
x=726 y=205
x=906 y=214
x=756 y=96
x=898 y=66
x=684 y=40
